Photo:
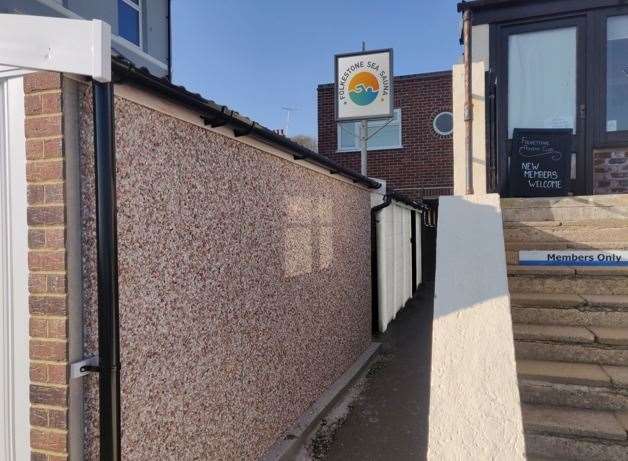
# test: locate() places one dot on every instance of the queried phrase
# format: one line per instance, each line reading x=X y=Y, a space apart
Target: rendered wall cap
x=475 y=411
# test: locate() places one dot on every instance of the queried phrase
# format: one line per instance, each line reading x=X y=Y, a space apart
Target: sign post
x=364 y=91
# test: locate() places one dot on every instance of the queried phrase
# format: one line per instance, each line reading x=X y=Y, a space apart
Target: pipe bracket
x=85 y=366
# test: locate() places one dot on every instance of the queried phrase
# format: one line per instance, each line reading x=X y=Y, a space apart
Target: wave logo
x=363 y=88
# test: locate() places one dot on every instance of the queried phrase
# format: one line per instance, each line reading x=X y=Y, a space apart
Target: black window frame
x=602 y=137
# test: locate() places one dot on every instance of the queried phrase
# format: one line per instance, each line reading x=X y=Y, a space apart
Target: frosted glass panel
x=542 y=79
x=617 y=74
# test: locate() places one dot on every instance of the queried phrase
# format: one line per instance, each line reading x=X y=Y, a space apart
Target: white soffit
x=63 y=45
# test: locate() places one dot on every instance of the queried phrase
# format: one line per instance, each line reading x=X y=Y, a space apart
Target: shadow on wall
x=308 y=244
x=483 y=276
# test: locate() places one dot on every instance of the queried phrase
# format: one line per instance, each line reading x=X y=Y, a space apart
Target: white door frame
x=14 y=313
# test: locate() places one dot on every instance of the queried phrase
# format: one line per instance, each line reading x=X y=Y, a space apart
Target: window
x=388 y=134
x=542 y=79
x=617 y=74
x=130 y=20
x=444 y=123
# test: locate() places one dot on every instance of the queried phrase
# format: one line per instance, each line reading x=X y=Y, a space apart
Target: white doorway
x=14 y=335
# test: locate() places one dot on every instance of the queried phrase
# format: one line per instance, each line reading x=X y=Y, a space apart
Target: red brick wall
x=425 y=164
x=47 y=267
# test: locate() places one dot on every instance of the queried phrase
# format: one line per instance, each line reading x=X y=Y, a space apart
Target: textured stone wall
x=48 y=301
x=244 y=287
x=610 y=175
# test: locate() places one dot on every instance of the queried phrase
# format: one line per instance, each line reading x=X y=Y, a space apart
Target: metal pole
x=107 y=244
x=364 y=139
x=364 y=135
x=468 y=102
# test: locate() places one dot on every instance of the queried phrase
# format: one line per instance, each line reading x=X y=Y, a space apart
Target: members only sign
x=608 y=258
x=364 y=85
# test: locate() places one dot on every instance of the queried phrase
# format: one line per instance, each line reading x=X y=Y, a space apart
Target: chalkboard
x=540 y=162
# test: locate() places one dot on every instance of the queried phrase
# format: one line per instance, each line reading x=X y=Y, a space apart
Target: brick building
x=414 y=152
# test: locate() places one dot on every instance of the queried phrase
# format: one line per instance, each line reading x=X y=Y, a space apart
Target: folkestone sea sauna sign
x=540 y=164
x=364 y=85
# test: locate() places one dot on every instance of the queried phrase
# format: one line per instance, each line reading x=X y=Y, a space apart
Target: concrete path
x=384 y=416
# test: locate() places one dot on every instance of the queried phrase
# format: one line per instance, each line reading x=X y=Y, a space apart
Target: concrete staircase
x=570 y=327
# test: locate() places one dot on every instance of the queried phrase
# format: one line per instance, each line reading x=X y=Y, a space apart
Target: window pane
x=348 y=133
x=617 y=74
x=542 y=79
x=387 y=137
x=128 y=22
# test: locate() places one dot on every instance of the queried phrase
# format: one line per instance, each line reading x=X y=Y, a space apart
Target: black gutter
x=483 y=4
x=405 y=200
x=169 y=40
x=216 y=115
x=413 y=246
x=374 y=259
x=107 y=264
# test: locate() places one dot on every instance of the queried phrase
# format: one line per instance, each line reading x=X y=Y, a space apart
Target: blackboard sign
x=540 y=162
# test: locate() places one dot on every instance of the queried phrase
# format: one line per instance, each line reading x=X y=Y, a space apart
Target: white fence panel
x=394 y=259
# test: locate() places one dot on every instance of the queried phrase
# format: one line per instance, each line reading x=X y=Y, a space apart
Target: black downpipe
x=374 y=280
x=413 y=241
x=107 y=243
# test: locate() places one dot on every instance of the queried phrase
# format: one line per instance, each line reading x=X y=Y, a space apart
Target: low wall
x=244 y=286
x=475 y=411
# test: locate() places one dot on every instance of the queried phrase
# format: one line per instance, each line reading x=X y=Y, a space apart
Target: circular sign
x=363 y=88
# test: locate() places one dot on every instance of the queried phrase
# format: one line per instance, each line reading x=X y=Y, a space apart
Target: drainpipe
x=107 y=244
x=468 y=102
x=374 y=260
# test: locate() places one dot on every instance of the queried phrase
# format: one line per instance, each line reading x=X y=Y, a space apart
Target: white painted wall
x=475 y=411
x=394 y=252
x=14 y=354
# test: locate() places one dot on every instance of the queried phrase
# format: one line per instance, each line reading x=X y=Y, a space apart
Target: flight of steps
x=570 y=327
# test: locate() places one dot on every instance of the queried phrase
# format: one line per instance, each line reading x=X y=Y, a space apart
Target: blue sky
x=259 y=56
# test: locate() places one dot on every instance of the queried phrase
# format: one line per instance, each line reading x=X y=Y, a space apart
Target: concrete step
x=539 y=392
x=578 y=272
x=603 y=281
x=596 y=353
x=579 y=385
x=583 y=374
x=610 y=336
x=570 y=433
x=567 y=301
x=566 y=421
x=607 y=207
x=582 y=317
x=541 y=446
x=554 y=333
x=615 y=230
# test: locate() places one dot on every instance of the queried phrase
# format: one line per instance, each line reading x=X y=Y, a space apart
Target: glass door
x=542 y=86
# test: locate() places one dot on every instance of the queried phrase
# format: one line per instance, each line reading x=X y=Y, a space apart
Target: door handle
x=583 y=111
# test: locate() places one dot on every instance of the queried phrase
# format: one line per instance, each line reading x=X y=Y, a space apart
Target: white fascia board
x=63 y=45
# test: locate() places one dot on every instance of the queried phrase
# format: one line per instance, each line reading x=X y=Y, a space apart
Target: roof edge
x=242 y=126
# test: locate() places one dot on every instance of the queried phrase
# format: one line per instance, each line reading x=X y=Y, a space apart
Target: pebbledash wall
x=244 y=280
x=423 y=167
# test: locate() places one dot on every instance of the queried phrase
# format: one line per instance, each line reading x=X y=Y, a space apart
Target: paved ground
x=384 y=415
